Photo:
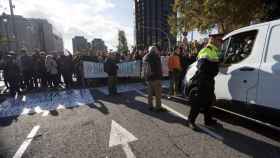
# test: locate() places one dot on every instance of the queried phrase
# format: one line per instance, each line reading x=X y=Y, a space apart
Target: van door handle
x=247 y=69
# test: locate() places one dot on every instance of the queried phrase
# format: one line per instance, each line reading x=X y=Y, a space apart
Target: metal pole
x=13 y=22
x=165 y=33
x=7 y=35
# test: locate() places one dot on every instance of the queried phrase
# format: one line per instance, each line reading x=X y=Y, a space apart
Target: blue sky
x=90 y=18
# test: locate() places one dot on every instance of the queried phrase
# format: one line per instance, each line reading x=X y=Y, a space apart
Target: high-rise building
x=98 y=45
x=30 y=34
x=80 y=44
x=151 y=23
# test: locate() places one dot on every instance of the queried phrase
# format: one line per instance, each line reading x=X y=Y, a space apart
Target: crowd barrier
x=94 y=70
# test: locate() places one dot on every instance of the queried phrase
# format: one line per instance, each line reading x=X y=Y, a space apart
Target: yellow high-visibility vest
x=211 y=53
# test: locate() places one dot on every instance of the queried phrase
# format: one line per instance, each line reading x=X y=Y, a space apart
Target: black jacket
x=155 y=64
x=204 y=82
x=111 y=67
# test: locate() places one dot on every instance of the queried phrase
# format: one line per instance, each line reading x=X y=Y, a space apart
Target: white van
x=252 y=74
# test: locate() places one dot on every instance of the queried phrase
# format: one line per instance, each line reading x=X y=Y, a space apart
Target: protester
x=111 y=68
x=43 y=75
x=27 y=69
x=3 y=63
x=66 y=69
x=36 y=72
x=153 y=74
x=12 y=72
x=52 y=70
x=174 y=65
x=203 y=83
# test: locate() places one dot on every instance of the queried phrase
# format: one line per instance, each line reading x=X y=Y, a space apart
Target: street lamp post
x=165 y=33
x=13 y=22
x=5 y=21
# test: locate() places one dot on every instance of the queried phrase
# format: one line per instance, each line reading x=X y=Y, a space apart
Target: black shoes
x=157 y=109
x=192 y=125
x=211 y=122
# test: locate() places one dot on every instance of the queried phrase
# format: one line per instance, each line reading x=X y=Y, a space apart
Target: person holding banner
x=153 y=74
x=111 y=68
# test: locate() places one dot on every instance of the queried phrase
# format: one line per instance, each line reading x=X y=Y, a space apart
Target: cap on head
x=42 y=53
x=153 y=49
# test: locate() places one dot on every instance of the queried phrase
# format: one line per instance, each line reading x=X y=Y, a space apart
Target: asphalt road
x=123 y=126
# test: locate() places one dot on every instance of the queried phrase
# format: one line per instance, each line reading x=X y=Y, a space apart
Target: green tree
x=204 y=15
x=122 y=46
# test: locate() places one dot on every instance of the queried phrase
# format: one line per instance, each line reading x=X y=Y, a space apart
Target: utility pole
x=13 y=23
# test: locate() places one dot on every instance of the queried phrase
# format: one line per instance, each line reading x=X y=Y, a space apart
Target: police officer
x=202 y=85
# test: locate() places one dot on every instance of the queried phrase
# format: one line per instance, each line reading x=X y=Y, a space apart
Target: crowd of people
x=25 y=72
x=191 y=48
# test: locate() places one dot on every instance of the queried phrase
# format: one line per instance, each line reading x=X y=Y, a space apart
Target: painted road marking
x=40 y=103
x=202 y=128
x=45 y=113
x=26 y=142
x=120 y=136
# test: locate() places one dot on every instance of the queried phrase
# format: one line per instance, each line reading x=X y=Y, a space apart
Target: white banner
x=127 y=69
x=94 y=70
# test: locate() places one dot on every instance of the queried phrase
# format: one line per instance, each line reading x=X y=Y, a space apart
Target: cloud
x=77 y=17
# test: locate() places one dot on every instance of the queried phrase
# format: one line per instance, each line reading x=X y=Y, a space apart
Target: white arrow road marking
x=206 y=130
x=45 y=113
x=120 y=136
x=26 y=142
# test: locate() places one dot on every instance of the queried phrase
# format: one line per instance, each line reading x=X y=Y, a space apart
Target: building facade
x=151 y=23
x=98 y=45
x=30 y=34
x=80 y=44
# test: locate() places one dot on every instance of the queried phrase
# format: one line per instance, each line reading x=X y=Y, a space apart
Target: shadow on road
x=237 y=141
x=98 y=105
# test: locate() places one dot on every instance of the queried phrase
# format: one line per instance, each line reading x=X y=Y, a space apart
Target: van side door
x=269 y=87
x=238 y=77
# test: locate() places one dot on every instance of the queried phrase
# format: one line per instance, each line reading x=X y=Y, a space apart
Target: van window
x=224 y=48
x=274 y=46
x=240 y=47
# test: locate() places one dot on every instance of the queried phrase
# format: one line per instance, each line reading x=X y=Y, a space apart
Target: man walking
x=111 y=68
x=153 y=74
x=202 y=94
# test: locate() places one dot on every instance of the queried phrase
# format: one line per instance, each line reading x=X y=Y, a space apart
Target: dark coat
x=155 y=64
x=204 y=82
x=11 y=70
x=111 y=67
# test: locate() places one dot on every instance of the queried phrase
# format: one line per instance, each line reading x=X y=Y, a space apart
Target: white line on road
x=26 y=142
x=206 y=130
